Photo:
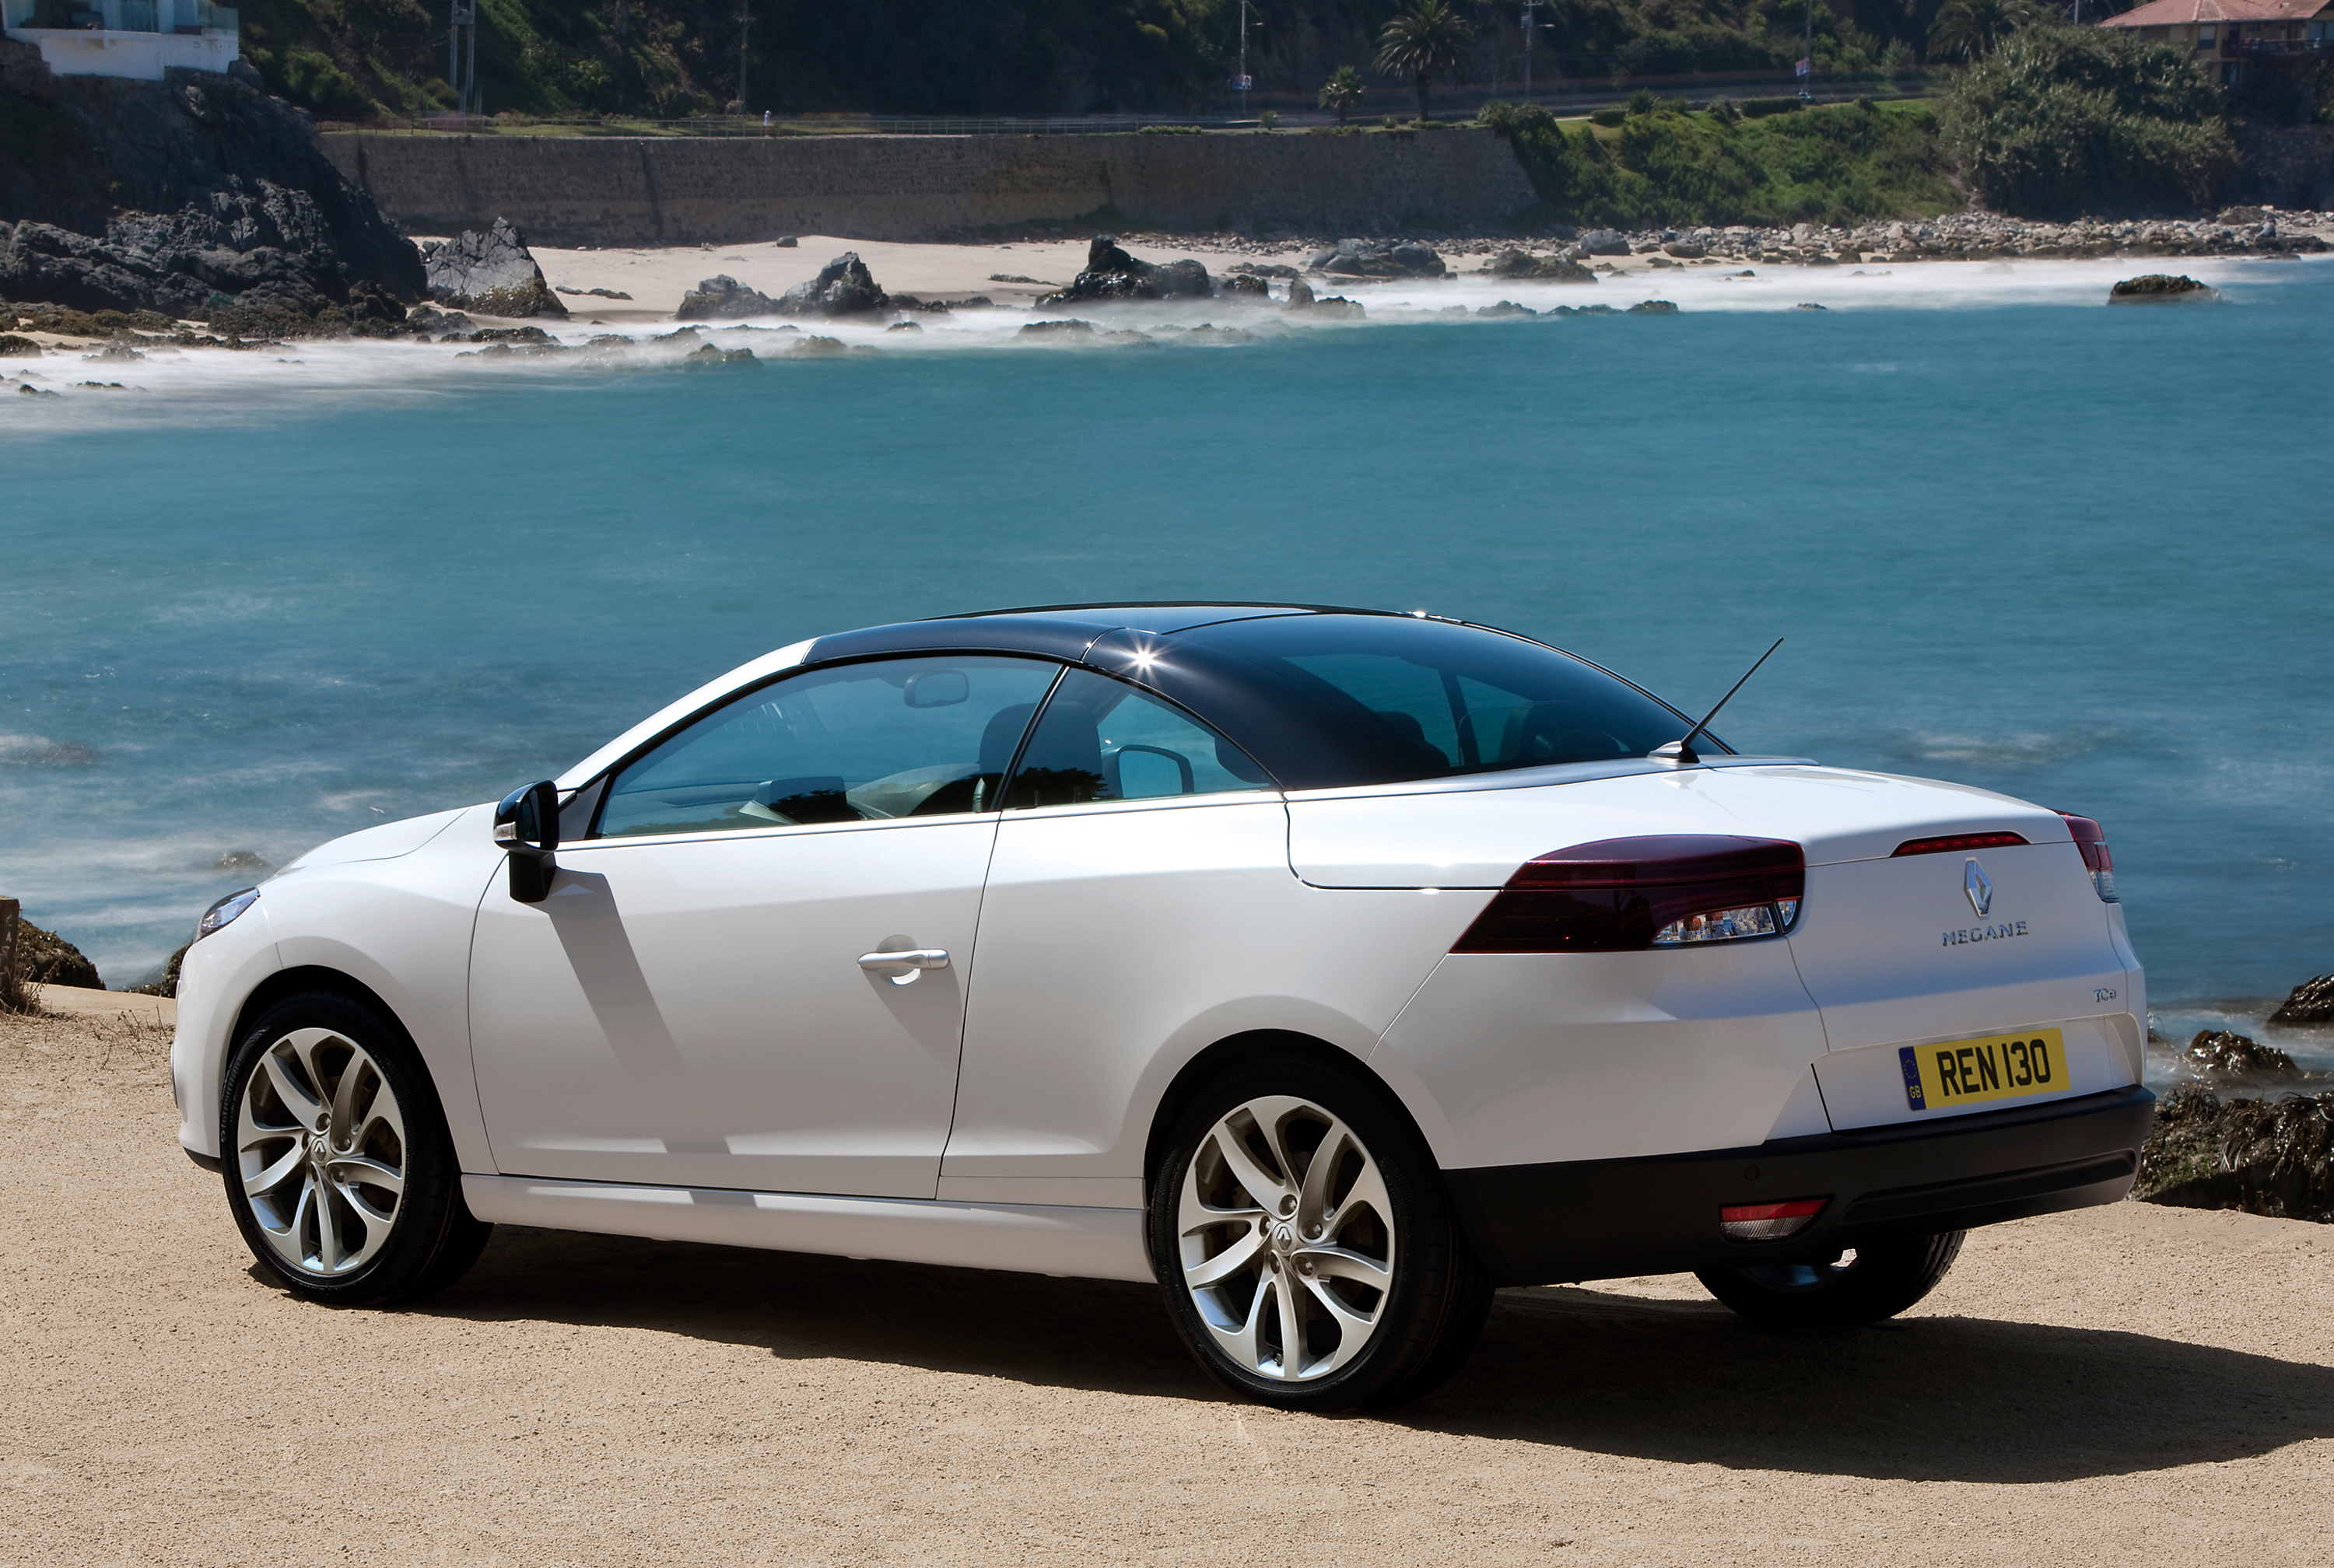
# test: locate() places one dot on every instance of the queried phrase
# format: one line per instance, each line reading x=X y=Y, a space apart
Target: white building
x=136 y=38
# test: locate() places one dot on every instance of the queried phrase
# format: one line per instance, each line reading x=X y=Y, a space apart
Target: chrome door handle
x=915 y=960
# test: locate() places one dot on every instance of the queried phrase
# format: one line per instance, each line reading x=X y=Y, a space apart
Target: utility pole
x=745 y=27
x=1242 y=81
x=462 y=61
x=1808 y=57
x=1529 y=7
x=623 y=52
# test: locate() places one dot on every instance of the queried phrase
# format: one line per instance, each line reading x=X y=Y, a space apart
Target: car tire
x=338 y=1166
x=1877 y=1282
x=1351 y=1242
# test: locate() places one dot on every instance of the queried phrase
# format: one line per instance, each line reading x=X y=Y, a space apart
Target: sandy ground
x=2128 y=1385
x=657 y=278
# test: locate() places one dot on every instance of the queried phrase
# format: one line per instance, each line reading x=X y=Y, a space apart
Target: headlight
x=224 y=911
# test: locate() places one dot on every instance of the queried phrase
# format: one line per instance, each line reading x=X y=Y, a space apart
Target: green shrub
x=1760 y=108
x=1608 y=117
x=1842 y=165
x=314 y=82
x=2060 y=121
x=1643 y=102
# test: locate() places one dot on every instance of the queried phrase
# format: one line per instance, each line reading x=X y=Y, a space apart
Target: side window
x=1414 y=704
x=896 y=737
x=1103 y=740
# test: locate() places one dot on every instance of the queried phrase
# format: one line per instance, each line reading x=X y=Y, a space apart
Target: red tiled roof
x=2186 y=13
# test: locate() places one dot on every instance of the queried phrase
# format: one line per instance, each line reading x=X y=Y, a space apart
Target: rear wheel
x=339 y=1169
x=1309 y=1253
x=1861 y=1286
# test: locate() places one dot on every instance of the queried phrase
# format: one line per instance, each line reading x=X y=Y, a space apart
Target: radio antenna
x=1680 y=751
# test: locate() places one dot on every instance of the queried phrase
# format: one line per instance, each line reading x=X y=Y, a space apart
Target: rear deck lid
x=1398 y=836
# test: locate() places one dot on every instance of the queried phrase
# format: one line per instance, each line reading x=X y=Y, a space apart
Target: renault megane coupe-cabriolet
x=1330 y=968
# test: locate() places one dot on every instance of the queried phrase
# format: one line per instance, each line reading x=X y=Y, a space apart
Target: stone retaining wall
x=2288 y=165
x=624 y=190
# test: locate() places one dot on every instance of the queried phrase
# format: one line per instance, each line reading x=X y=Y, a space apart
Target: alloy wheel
x=321 y=1152
x=1285 y=1239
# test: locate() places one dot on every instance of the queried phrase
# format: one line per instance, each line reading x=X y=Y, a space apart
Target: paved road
x=2131 y=1385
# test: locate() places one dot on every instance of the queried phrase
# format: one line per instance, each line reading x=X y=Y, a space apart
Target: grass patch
x=1664 y=167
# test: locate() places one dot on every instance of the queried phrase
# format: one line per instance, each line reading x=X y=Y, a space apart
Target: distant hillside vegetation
x=1660 y=166
x=668 y=58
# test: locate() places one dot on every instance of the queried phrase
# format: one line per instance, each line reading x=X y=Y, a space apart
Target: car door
x=1140 y=867
x=702 y=1000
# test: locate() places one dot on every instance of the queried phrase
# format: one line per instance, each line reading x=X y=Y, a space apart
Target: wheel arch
x=292 y=982
x=312 y=979
x=1256 y=1046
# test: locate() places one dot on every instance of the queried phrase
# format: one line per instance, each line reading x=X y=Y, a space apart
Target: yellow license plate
x=1971 y=1072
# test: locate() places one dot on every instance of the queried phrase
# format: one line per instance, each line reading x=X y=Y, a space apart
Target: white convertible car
x=1329 y=967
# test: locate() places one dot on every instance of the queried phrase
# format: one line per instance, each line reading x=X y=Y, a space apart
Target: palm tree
x=1423 y=44
x=1969 y=28
x=1342 y=91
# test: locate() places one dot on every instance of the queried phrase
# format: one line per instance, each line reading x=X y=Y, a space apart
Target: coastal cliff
x=186 y=196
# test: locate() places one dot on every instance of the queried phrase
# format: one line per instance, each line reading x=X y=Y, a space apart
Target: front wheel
x=339 y=1169
x=1861 y=1286
x=1309 y=1253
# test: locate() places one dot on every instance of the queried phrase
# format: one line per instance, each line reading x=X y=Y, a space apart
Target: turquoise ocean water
x=2014 y=539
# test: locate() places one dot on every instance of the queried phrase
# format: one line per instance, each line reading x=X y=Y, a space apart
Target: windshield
x=1402 y=699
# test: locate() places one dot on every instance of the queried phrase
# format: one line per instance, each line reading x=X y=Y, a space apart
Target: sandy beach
x=2129 y=1385
x=657 y=278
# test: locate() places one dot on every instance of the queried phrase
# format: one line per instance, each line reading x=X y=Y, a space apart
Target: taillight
x=1954 y=843
x=1770 y=1221
x=2093 y=842
x=1622 y=895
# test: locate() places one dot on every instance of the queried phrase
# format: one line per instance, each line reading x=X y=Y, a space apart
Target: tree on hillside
x=2063 y=121
x=1342 y=91
x=1423 y=43
x=1967 y=29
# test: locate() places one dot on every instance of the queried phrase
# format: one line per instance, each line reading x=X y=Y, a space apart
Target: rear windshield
x=1417 y=699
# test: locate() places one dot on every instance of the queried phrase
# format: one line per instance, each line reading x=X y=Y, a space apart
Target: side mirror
x=527 y=824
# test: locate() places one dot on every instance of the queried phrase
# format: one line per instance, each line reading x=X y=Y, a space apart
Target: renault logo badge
x=1980 y=890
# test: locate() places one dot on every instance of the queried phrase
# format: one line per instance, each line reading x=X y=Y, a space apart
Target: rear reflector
x=1624 y=895
x=2092 y=841
x=1954 y=843
x=1770 y=1221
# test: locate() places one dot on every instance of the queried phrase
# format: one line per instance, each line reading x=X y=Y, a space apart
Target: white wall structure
x=133 y=38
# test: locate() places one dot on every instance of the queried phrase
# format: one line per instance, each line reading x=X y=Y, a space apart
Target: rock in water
x=722 y=298
x=2216 y=1053
x=844 y=287
x=2158 y=287
x=1111 y=273
x=135 y=196
x=1515 y=264
x=490 y=271
x=1653 y=308
x=1247 y=285
x=2312 y=1002
x=2264 y=1156
x=45 y=958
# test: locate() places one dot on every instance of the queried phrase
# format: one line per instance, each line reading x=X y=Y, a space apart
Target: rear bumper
x=1612 y=1218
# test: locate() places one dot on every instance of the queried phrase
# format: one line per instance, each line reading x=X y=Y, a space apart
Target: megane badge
x=1980 y=890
